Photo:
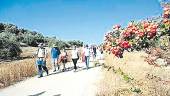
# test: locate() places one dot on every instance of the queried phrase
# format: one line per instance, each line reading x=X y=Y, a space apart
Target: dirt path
x=82 y=83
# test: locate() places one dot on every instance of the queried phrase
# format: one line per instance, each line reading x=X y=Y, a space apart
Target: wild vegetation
x=153 y=32
x=137 y=57
x=12 y=37
x=18 y=70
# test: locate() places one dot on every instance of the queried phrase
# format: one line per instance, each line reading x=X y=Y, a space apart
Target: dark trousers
x=75 y=62
x=40 y=67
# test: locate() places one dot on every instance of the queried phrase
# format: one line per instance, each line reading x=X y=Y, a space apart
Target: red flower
x=116 y=27
x=126 y=34
x=153 y=30
x=151 y=35
x=125 y=44
x=116 y=51
x=145 y=24
x=140 y=34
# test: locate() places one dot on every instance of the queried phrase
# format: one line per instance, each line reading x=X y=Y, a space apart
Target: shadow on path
x=38 y=94
x=57 y=95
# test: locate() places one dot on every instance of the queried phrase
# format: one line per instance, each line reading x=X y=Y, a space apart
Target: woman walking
x=75 y=57
x=64 y=59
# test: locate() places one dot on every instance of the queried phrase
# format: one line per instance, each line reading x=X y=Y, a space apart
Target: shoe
x=40 y=76
x=47 y=73
x=54 y=71
x=63 y=70
x=75 y=71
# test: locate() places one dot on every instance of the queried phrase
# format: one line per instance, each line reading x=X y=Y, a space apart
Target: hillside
x=12 y=38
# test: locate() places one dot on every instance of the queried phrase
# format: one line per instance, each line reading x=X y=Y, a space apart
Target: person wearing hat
x=41 y=54
x=55 y=53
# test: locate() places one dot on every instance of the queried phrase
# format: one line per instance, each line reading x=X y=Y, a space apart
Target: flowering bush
x=138 y=35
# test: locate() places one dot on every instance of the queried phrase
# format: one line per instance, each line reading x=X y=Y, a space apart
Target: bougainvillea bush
x=141 y=35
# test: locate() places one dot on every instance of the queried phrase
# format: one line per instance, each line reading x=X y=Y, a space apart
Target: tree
x=8 y=46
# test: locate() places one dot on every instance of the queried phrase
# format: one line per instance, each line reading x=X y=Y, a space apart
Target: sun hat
x=40 y=45
x=54 y=45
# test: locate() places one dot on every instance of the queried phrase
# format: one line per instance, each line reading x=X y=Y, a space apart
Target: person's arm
x=78 y=54
x=66 y=55
x=46 y=54
x=36 y=53
x=51 y=52
x=59 y=52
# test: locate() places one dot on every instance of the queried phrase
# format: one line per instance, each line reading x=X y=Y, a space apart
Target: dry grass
x=152 y=81
x=18 y=70
x=12 y=72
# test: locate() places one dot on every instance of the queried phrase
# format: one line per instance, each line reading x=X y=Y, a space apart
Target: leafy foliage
x=8 y=46
x=62 y=44
x=153 y=32
x=11 y=37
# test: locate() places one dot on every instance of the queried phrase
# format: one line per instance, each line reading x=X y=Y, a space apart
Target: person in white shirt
x=98 y=55
x=75 y=57
x=87 y=56
x=41 y=59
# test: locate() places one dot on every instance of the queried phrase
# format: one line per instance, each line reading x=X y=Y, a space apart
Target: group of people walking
x=58 y=57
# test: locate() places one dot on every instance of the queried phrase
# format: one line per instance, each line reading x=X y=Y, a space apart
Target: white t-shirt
x=98 y=54
x=87 y=52
x=41 y=52
x=74 y=54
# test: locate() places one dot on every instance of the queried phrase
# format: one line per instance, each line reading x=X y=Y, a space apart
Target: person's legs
x=40 y=71
x=57 y=63
x=94 y=58
x=64 y=62
x=54 y=65
x=74 y=62
x=64 y=67
x=46 y=69
x=44 y=66
x=87 y=61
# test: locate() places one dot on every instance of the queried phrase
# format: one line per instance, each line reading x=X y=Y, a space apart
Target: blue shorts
x=54 y=60
x=40 y=61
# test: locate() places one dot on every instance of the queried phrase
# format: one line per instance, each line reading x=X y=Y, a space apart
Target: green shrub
x=8 y=46
x=32 y=39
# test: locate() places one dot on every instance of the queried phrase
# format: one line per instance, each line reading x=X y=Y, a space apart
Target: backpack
x=43 y=51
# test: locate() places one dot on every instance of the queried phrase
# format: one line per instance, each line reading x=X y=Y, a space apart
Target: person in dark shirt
x=94 y=52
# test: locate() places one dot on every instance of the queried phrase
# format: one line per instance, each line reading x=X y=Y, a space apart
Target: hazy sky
x=85 y=20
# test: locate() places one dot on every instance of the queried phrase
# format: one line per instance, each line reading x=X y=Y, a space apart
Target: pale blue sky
x=85 y=20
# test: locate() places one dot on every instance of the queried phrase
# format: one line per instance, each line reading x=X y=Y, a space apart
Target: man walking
x=87 y=56
x=41 y=59
x=55 y=53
